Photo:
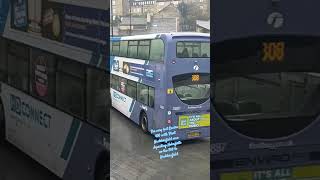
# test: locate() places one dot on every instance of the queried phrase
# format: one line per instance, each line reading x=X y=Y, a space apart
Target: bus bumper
x=193 y=133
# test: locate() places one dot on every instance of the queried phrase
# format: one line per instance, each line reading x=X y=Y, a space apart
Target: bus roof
x=167 y=35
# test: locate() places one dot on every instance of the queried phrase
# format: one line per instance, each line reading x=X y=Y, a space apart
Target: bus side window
x=42 y=76
x=157 y=50
x=133 y=49
x=115 y=82
x=70 y=90
x=181 y=50
x=205 y=50
x=3 y=60
x=123 y=85
x=151 y=97
x=18 y=75
x=115 y=48
x=123 y=48
x=98 y=97
x=132 y=89
x=144 y=49
x=143 y=94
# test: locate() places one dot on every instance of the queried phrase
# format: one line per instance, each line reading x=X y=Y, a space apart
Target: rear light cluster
x=169 y=121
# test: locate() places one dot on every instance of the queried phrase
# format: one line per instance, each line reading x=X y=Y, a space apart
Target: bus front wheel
x=144 y=122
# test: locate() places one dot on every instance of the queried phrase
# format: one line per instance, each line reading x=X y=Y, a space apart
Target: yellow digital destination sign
x=273 y=51
x=195 y=78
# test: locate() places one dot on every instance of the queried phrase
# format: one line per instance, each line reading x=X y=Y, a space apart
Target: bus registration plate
x=194 y=134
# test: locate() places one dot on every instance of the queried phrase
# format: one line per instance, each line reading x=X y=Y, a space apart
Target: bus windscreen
x=256 y=96
x=192 y=89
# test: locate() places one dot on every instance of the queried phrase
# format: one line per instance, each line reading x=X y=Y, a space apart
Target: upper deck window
x=189 y=49
x=152 y=50
x=144 y=49
x=123 y=48
x=115 y=48
x=133 y=49
x=157 y=50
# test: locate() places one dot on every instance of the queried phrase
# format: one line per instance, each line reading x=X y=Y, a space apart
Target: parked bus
x=161 y=80
x=266 y=101
x=54 y=88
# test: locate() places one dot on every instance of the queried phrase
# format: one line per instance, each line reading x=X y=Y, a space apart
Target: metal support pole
x=111 y=9
x=130 y=17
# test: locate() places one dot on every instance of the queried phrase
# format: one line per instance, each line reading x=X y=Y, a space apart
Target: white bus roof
x=174 y=34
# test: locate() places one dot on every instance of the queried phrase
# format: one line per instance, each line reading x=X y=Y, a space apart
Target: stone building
x=166 y=20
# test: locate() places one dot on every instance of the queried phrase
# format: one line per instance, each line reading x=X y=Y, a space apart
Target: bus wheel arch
x=143 y=121
x=102 y=166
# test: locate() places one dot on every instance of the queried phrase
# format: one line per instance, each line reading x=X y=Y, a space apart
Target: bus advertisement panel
x=265 y=94
x=79 y=34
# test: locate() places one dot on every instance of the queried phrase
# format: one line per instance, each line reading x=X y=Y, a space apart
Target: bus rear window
x=188 y=49
x=257 y=104
x=192 y=89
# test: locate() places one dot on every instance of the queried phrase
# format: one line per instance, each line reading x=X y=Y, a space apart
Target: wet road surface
x=132 y=156
x=15 y=165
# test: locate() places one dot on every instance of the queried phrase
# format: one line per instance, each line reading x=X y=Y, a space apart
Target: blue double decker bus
x=161 y=80
x=265 y=90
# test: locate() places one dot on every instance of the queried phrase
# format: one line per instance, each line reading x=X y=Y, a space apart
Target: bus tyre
x=144 y=122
